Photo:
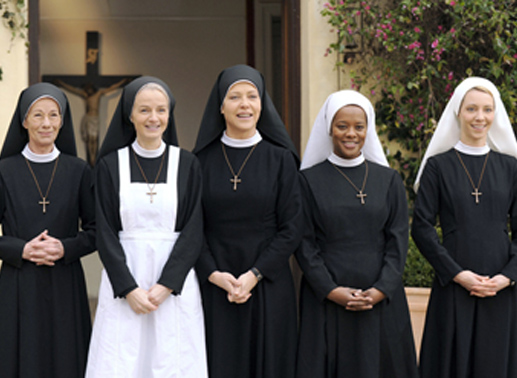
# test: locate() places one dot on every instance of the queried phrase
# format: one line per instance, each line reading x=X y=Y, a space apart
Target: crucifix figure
x=361 y=195
x=91 y=87
x=476 y=193
x=235 y=180
x=44 y=202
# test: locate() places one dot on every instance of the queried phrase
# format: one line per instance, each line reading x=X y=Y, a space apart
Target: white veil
x=501 y=137
x=319 y=147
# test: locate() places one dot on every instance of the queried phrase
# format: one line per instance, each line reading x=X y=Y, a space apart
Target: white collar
x=471 y=150
x=150 y=154
x=40 y=158
x=241 y=143
x=347 y=163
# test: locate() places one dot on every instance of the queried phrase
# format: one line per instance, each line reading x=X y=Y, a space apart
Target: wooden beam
x=291 y=69
x=34 y=54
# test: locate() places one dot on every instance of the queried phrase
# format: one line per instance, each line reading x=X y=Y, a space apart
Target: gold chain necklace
x=236 y=180
x=43 y=201
x=476 y=193
x=150 y=193
x=360 y=193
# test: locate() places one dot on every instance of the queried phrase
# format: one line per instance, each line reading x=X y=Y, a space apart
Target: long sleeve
x=109 y=224
x=424 y=221
x=396 y=242
x=308 y=253
x=510 y=270
x=83 y=242
x=189 y=223
x=289 y=220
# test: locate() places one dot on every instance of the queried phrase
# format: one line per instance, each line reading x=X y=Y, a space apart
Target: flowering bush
x=13 y=18
x=413 y=54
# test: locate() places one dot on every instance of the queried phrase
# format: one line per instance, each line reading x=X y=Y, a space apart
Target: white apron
x=166 y=343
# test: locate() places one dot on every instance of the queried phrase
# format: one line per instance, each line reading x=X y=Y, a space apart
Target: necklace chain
x=150 y=193
x=236 y=180
x=476 y=193
x=360 y=193
x=43 y=201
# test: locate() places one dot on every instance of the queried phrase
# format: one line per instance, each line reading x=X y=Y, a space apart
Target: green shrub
x=417 y=272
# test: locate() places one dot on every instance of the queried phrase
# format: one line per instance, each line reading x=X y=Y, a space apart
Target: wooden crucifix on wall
x=91 y=87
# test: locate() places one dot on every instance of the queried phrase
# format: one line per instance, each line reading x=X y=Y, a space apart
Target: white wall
x=14 y=62
x=184 y=43
x=187 y=50
x=319 y=77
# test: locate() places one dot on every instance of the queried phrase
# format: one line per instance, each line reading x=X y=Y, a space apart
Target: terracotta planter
x=417 y=298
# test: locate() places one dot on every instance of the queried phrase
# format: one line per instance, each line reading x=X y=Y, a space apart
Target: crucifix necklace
x=360 y=193
x=236 y=180
x=476 y=193
x=151 y=191
x=43 y=201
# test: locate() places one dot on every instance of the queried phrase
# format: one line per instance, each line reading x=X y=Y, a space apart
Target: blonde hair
x=480 y=89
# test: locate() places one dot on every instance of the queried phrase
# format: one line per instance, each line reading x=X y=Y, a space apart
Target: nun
x=149 y=321
x=48 y=223
x=468 y=178
x=354 y=319
x=252 y=212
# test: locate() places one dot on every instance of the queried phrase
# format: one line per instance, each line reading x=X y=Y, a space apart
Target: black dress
x=467 y=336
x=258 y=225
x=361 y=246
x=44 y=315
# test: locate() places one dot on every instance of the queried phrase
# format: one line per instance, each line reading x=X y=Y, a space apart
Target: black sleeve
x=189 y=224
x=308 y=253
x=11 y=248
x=84 y=242
x=289 y=220
x=396 y=238
x=109 y=225
x=423 y=228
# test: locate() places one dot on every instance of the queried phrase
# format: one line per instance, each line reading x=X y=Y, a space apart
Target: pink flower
x=453 y=31
x=417 y=30
x=401 y=33
x=450 y=76
x=434 y=44
x=373 y=92
x=358 y=13
x=515 y=56
x=414 y=45
x=406 y=166
x=453 y=3
x=419 y=127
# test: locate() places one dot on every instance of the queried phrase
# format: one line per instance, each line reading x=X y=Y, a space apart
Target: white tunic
x=166 y=343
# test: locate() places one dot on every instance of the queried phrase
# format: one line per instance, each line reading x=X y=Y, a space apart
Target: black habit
x=258 y=225
x=44 y=316
x=467 y=336
x=360 y=246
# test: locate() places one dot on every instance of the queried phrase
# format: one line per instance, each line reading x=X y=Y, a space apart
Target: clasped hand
x=481 y=286
x=238 y=289
x=43 y=250
x=146 y=301
x=356 y=299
